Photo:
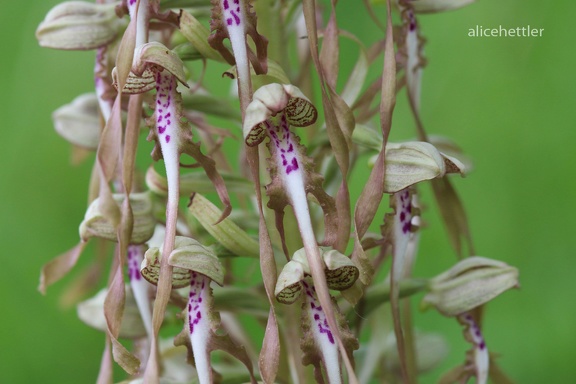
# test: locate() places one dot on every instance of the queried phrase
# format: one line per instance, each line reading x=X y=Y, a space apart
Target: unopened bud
x=470 y=283
x=79 y=121
x=91 y=312
x=79 y=25
x=95 y=223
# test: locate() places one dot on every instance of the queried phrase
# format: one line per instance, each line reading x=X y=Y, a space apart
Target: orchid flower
x=273 y=110
x=318 y=341
x=459 y=292
x=196 y=266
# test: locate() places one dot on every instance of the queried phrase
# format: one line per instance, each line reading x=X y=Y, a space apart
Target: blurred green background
x=508 y=102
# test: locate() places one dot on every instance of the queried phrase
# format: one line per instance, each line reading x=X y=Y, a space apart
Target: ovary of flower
x=481 y=357
x=139 y=286
x=322 y=334
x=199 y=325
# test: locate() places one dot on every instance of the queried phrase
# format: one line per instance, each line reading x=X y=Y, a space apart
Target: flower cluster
x=290 y=242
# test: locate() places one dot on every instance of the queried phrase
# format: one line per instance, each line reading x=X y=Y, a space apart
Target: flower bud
x=470 y=283
x=79 y=25
x=79 y=121
x=415 y=161
x=91 y=312
x=431 y=349
x=96 y=225
x=188 y=256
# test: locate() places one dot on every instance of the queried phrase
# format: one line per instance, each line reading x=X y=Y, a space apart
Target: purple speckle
x=327 y=332
x=198 y=315
x=161 y=129
x=229 y=21
x=167 y=138
x=293 y=166
x=406 y=228
x=316 y=316
x=226 y=5
x=402 y=216
x=235 y=16
x=134 y=259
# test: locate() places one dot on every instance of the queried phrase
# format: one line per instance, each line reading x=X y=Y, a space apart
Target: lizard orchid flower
x=196 y=266
x=318 y=341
